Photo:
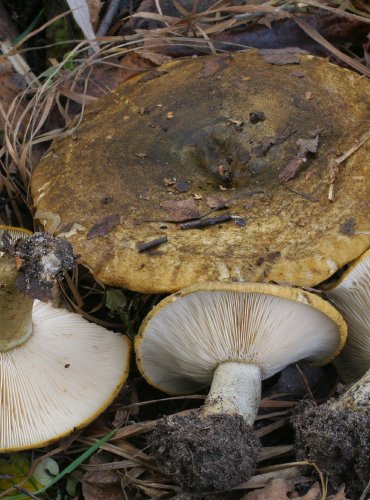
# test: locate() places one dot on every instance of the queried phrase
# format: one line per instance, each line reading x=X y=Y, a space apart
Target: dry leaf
x=102 y=227
x=289 y=55
x=214 y=65
x=277 y=489
x=101 y=484
x=180 y=210
x=269 y=141
x=305 y=146
x=216 y=202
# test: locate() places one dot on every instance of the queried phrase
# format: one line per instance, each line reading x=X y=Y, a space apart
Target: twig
x=211 y=221
x=108 y=17
x=143 y=247
x=19 y=64
x=334 y=164
x=305 y=382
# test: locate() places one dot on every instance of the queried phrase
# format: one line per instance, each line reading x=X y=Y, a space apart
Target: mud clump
x=205 y=453
x=337 y=440
x=40 y=258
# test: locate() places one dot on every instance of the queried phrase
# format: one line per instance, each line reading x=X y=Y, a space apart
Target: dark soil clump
x=337 y=440
x=201 y=453
x=41 y=258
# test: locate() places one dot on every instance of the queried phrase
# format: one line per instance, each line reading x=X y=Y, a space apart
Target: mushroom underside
x=59 y=380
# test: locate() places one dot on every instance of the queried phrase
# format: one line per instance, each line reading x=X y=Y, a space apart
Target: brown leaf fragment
x=103 y=226
x=216 y=203
x=280 y=57
x=277 y=489
x=304 y=146
x=93 y=491
x=214 y=65
x=101 y=484
x=178 y=211
x=298 y=74
x=348 y=227
x=269 y=141
x=308 y=145
x=291 y=169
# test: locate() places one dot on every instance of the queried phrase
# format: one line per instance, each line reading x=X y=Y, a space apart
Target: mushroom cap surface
x=351 y=295
x=199 y=134
x=60 y=379
x=188 y=334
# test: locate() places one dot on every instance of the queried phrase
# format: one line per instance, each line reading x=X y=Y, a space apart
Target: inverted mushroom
x=230 y=336
x=57 y=371
x=185 y=144
x=351 y=295
x=336 y=435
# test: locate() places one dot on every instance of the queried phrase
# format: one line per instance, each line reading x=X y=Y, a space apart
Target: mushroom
x=242 y=149
x=229 y=335
x=58 y=372
x=335 y=436
x=351 y=295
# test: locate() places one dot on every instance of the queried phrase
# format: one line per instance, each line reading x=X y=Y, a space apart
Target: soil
x=338 y=441
x=201 y=453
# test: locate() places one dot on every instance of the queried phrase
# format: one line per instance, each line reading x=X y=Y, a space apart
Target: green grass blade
x=70 y=468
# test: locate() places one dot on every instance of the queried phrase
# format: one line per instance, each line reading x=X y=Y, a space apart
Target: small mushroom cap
x=188 y=334
x=204 y=133
x=59 y=380
x=351 y=295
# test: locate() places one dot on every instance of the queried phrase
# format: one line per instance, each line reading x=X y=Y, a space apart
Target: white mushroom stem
x=15 y=308
x=235 y=389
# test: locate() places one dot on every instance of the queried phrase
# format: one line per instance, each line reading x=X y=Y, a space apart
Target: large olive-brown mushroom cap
x=202 y=133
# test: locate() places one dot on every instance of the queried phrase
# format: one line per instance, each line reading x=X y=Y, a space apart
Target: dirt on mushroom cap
x=177 y=147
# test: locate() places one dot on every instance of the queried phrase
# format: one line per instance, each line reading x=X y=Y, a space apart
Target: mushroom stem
x=235 y=390
x=15 y=308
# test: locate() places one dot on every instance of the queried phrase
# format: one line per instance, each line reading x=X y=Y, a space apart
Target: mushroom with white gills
x=351 y=295
x=58 y=372
x=336 y=435
x=230 y=336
